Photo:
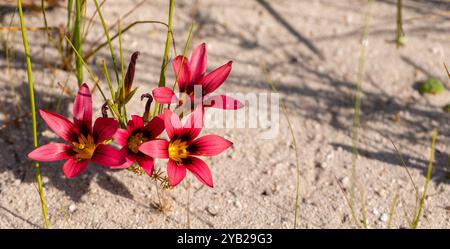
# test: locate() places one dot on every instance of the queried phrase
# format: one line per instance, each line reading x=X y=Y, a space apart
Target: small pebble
x=237 y=204
x=375 y=212
x=330 y=155
x=345 y=181
x=72 y=207
x=17 y=182
x=384 y=218
x=213 y=210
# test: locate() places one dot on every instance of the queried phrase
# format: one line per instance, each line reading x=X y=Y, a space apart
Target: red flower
x=135 y=135
x=192 y=73
x=183 y=147
x=85 y=142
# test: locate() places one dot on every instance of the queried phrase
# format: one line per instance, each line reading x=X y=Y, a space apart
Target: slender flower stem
x=357 y=110
x=78 y=42
x=186 y=46
x=33 y=110
x=400 y=33
x=294 y=143
x=162 y=76
x=416 y=220
x=111 y=49
x=91 y=52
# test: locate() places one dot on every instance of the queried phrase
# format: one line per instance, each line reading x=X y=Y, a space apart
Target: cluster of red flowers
x=141 y=142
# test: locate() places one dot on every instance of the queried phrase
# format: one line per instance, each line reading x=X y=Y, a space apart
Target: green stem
x=294 y=142
x=357 y=108
x=400 y=33
x=91 y=52
x=415 y=223
x=77 y=42
x=162 y=76
x=33 y=110
x=69 y=13
x=111 y=49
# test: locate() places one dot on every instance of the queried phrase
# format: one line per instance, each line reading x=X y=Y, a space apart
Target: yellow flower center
x=135 y=141
x=178 y=150
x=84 y=148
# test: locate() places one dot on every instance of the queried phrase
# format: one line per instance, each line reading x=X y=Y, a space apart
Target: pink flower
x=85 y=142
x=192 y=73
x=183 y=147
x=135 y=135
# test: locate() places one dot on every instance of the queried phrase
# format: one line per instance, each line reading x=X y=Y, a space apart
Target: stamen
x=178 y=150
x=84 y=148
x=135 y=141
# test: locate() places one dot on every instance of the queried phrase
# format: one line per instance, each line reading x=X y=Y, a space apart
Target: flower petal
x=136 y=122
x=121 y=137
x=215 y=79
x=200 y=170
x=198 y=63
x=184 y=78
x=223 y=102
x=51 y=152
x=209 y=145
x=146 y=163
x=73 y=167
x=164 y=95
x=108 y=156
x=104 y=128
x=176 y=173
x=157 y=148
x=172 y=124
x=155 y=127
x=194 y=123
x=60 y=125
x=129 y=159
x=82 y=110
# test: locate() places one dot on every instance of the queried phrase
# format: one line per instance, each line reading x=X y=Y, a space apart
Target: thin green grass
x=58 y=46
x=8 y=54
x=87 y=68
x=78 y=41
x=294 y=142
x=162 y=76
x=401 y=39
x=165 y=62
x=122 y=18
x=357 y=112
x=94 y=51
x=33 y=111
x=392 y=211
x=111 y=49
x=186 y=47
x=349 y=204
x=418 y=214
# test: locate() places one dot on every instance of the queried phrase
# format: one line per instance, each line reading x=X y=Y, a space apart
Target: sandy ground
x=311 y=49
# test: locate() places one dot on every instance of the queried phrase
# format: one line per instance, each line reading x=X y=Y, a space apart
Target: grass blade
x=392 y=211
x=357 y=108
x=111 y=49
x=416 y=220
x=162 y=76
x=294 y=142
x=400 y=33
x=78 y=42
x=91 y=52
x=33 y=110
